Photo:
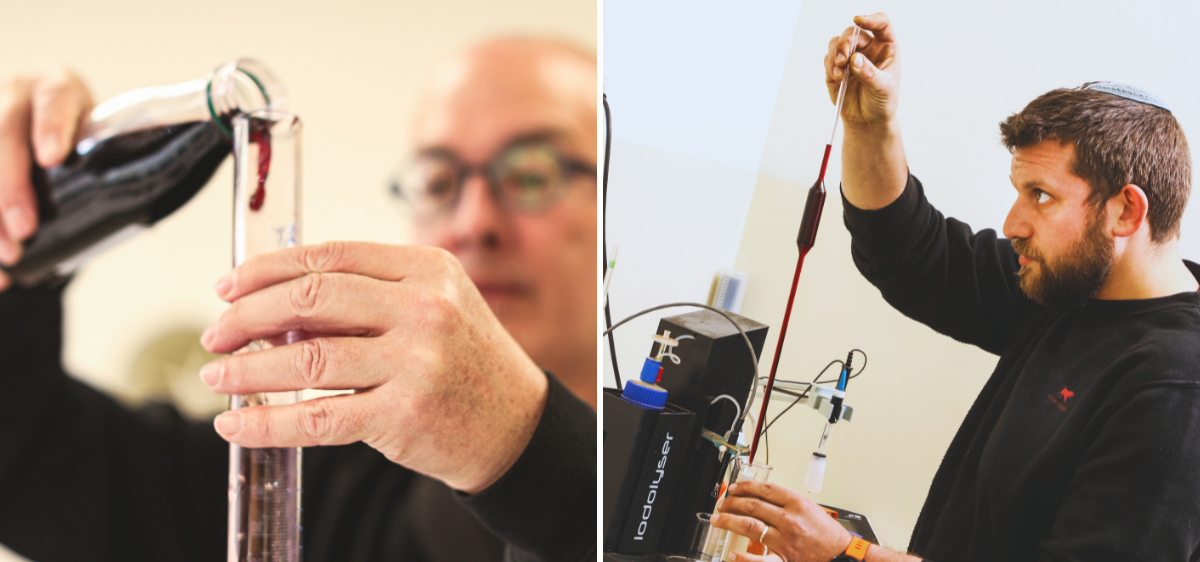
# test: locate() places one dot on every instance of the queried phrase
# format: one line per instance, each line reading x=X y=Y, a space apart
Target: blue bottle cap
x=645 y=395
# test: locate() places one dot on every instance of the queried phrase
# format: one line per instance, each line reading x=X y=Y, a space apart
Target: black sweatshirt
x=1085 y=442
x=84 y=479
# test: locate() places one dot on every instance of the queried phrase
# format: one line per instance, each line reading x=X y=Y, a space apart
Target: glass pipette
x=806 y=239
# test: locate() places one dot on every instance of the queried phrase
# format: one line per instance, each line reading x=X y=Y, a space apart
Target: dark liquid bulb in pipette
x=136 y=178
x=812 y=209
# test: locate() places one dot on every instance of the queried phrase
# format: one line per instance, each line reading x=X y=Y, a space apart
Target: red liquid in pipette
x=805 y=241
x=824 y=163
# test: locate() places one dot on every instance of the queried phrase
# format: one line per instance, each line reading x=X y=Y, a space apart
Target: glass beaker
x=745 y=471
x=264 y=483
x=709 y=542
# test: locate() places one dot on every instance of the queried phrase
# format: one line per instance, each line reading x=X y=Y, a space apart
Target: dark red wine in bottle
x=143 y=155
x=120 y=185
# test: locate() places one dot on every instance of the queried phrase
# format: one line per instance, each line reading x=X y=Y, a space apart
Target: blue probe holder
x=650 y=371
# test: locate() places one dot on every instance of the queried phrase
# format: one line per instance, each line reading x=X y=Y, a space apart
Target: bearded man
x=1084 y=443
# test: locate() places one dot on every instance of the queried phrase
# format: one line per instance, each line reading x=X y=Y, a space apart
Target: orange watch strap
x=858 y=548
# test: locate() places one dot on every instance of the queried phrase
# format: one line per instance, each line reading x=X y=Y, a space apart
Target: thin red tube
x=824 y=162
x=808 y=236
x=787 y=314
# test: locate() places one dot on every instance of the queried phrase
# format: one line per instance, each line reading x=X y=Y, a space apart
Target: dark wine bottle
x=144 y=155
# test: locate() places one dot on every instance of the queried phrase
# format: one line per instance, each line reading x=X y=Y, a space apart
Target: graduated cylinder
x=264 y=484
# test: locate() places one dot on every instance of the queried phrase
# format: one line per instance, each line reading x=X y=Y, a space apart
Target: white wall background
x=692 y=86
x=353 y=70
x=966 y=67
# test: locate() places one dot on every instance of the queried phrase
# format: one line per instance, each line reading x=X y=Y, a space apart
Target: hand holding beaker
x=797 y=529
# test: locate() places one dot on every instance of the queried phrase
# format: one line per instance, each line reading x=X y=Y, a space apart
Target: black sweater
x=1085 y=442
x=84 y=479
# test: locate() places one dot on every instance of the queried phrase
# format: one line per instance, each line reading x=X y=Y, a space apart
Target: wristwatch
x=855 y=552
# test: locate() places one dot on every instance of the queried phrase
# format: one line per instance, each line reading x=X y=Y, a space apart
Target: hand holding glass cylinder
x=264 y=483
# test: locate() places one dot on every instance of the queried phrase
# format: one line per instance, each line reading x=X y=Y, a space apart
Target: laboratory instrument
x=671 y=435
x=143 y=154
x=815 y=477
x=264 y=483
x=661 y=462
x=807 y=238
x=856 y=523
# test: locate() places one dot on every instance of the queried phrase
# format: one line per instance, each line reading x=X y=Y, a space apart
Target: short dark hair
x=1117 y=141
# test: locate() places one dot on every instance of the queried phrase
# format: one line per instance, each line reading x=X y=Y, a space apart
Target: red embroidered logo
x=1060 y=398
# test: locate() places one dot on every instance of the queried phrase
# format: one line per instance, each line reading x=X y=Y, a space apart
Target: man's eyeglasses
x=525 y=177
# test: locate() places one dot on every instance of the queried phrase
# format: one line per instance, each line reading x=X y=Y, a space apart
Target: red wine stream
x=260 y=133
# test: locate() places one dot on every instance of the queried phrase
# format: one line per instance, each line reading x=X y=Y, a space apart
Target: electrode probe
x=816 y=467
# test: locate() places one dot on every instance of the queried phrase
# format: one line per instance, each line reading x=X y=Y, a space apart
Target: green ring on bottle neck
x=212 y=111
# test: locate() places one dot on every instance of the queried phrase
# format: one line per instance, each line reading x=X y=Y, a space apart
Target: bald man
x=532 y=256
x=458 y=444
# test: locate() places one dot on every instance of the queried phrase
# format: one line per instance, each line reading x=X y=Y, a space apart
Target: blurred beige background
x=353 y=71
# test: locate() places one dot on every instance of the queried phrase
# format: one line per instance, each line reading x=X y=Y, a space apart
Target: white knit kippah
x=1128 y=92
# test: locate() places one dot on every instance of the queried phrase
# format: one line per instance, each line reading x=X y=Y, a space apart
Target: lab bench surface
x=614 y=557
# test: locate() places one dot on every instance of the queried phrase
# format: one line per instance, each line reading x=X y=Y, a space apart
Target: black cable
x=612 y=345
x=801 y=396
x=765 y=433
x=604 y=201
x=860 y=369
